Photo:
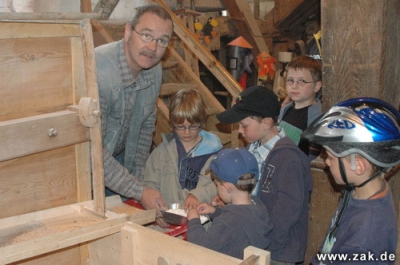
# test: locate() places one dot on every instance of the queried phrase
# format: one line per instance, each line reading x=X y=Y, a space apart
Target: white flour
x=182 y=212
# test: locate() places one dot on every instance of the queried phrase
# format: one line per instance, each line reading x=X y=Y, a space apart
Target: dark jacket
x=233 y=228
x=285 y=188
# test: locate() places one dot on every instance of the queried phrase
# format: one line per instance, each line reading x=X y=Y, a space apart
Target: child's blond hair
x=187 y=104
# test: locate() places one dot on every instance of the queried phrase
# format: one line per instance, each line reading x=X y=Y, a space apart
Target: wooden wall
x=361 y=50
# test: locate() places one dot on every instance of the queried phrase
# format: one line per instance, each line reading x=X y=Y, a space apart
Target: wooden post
x=355 y=64
x=86 y=6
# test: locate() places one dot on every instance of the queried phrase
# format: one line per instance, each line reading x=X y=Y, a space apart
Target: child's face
x=333 y=164
x=187 y=132
x=302 y=94
x=223 y=192
x=253 y=130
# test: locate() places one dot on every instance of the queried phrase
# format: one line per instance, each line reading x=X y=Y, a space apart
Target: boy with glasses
x=178 y=166
x=129 y=77
x=303 y=83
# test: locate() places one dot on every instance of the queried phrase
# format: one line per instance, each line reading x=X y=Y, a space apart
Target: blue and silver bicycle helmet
x=367 y=126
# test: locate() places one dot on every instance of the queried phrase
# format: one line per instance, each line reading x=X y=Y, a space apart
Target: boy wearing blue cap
x=243 y=221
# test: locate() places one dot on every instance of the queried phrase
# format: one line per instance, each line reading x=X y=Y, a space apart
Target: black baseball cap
x=254 y=101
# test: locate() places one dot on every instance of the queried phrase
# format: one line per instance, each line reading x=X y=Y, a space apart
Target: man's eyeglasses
x=163 y=43
x=300 y=82
x=190 y=128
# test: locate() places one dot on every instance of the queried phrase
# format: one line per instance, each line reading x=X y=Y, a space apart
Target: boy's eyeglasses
x=190 y=128
x=148 y=38
x=300 y=82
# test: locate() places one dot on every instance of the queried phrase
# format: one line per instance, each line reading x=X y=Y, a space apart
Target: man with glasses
x=129 y=79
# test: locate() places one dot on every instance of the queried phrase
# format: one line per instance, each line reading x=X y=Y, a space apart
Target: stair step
x=169 y=89
x=169 y=64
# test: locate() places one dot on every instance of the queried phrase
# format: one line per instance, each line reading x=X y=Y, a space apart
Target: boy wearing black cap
x=243 y=221
x=285 y=180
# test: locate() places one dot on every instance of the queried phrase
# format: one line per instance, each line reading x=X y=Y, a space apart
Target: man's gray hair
x=155 y=9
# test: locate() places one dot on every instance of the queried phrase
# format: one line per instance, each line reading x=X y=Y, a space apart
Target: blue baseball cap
x=231 y=163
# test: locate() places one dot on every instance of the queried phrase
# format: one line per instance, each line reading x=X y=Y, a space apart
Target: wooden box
x=53 y=209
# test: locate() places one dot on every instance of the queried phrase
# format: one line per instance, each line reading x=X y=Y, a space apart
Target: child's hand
x=191 y=202
x=217 y=202
x=192 y=213
x=205 y=208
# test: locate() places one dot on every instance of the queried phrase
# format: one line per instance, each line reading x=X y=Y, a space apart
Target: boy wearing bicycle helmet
x=362 y=140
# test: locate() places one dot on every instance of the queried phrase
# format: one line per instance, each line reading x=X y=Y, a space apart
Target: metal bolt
x=52 y=132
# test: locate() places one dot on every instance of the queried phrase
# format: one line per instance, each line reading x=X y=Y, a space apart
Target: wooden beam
x=25 y=136
x=86 y=6
x=95 y=131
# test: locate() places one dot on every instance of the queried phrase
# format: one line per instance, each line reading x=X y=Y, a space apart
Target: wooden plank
x=41 y=232
x=95 y=131
x=139 y=247
x=86 y=6
x=56 y=241
x=26 y=136
x=264 y=256
x=48 y=16
x=37 y=182
x=36 y=29
x=129 y=252
x=162 y=123
x=83 y=172
x=40 y=66
x=106 y=250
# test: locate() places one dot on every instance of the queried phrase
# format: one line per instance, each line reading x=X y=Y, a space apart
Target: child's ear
x=361 y=165
x=268 y=121
x=228 y=186
x=318 y=86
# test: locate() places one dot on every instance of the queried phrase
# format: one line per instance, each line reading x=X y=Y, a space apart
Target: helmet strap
x=343 y=174
x=377 y=173
x=346 y=196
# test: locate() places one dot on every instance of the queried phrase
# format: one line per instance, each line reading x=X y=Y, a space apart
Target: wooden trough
x=53 y=209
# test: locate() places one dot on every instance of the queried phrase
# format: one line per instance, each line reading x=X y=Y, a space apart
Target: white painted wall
x=57 y=6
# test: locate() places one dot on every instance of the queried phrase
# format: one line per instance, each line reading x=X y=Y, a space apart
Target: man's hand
x=152 y=199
